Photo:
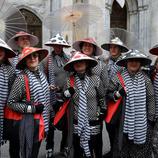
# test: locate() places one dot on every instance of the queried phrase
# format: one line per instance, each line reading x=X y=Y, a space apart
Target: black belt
x=91 y=123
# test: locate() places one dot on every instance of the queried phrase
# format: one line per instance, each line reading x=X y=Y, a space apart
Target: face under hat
x=115 y=41
x=12 y=42
x=77 y=45
x=78 y=56
x=29 y=50
x=134 y=54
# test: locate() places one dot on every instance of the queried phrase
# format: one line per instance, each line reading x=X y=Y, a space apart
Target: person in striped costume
x=154 y=77
x=89 y=47
x=7 y=75
x=56 y=76
x=19 y=41
x=115 y=48
x=30 y=98
x=137 y=110
x=88 y=103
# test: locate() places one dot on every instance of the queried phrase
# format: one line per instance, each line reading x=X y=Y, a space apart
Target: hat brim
x=143 y=61
x=154 y=50
x=106 y=46
x=69 y=65
x=33 y=41
x=51 y=44
x=42 y=54
x=76 y=46
x=8 y=52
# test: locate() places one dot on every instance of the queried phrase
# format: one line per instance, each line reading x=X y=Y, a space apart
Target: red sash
x=113 y=106
x=12 y=115
x=64 y=107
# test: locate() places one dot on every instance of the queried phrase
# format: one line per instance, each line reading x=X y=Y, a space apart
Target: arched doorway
x=34 y=24
x=118 y=17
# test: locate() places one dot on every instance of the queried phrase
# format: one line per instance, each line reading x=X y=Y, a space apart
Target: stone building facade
x=138 y=16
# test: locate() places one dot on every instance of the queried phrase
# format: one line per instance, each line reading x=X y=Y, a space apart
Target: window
x=34 y=24
x=118 y=16
x=78 y=1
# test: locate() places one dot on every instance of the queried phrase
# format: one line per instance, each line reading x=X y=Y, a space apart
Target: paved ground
x=4 y=149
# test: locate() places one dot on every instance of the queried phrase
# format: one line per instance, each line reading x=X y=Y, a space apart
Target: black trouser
x=14 y=148
x=64 y=139
x=95 y=145
x=50 y=138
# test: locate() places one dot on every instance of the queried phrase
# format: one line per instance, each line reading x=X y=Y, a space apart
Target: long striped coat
x=94 y=93
x=17 y=101
x=5 y=91
x=129 y=149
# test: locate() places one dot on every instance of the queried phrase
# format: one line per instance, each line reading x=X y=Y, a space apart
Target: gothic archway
x=34 y=24
x=118 y=17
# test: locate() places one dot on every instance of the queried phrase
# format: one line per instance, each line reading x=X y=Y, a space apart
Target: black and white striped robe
x=7 y=76
x=113 y=68
x=14 y=62
x=55 y=73
x=17 y=97
x=94 y=92
x=101 y=71
x=129 y=147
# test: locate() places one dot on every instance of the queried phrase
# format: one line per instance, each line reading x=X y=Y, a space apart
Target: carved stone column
x=144 y=30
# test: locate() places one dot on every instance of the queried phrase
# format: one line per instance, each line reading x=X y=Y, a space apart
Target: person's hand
x=54 y=88
x=39 y=108
x=33 y=108
x=120 y=93
x=69 y=92
x=30 y=109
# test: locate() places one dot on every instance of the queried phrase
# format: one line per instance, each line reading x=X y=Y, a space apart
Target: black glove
x=120 y=93
x=69 y=92
x=102 y=114
x=151 y=123
x=39 y=108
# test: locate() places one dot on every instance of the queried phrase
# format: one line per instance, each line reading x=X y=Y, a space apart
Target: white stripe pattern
x=112 y=68
x=135 y=122
x=14 y=62
x=156 y=93
x=83 y=127
x=40 y=92
x=3 y=96
x=51 y=79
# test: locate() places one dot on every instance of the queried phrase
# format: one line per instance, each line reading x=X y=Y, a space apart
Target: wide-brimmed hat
x=115 y=41
x=154 y=50
x=58 y=40
x=8 y=51
x=29 y=50
x=77 y=45
x=78 y=56
x=134 y=54
x=12 y=42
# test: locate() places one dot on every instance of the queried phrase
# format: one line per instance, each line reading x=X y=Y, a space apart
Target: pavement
x=5 y=153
